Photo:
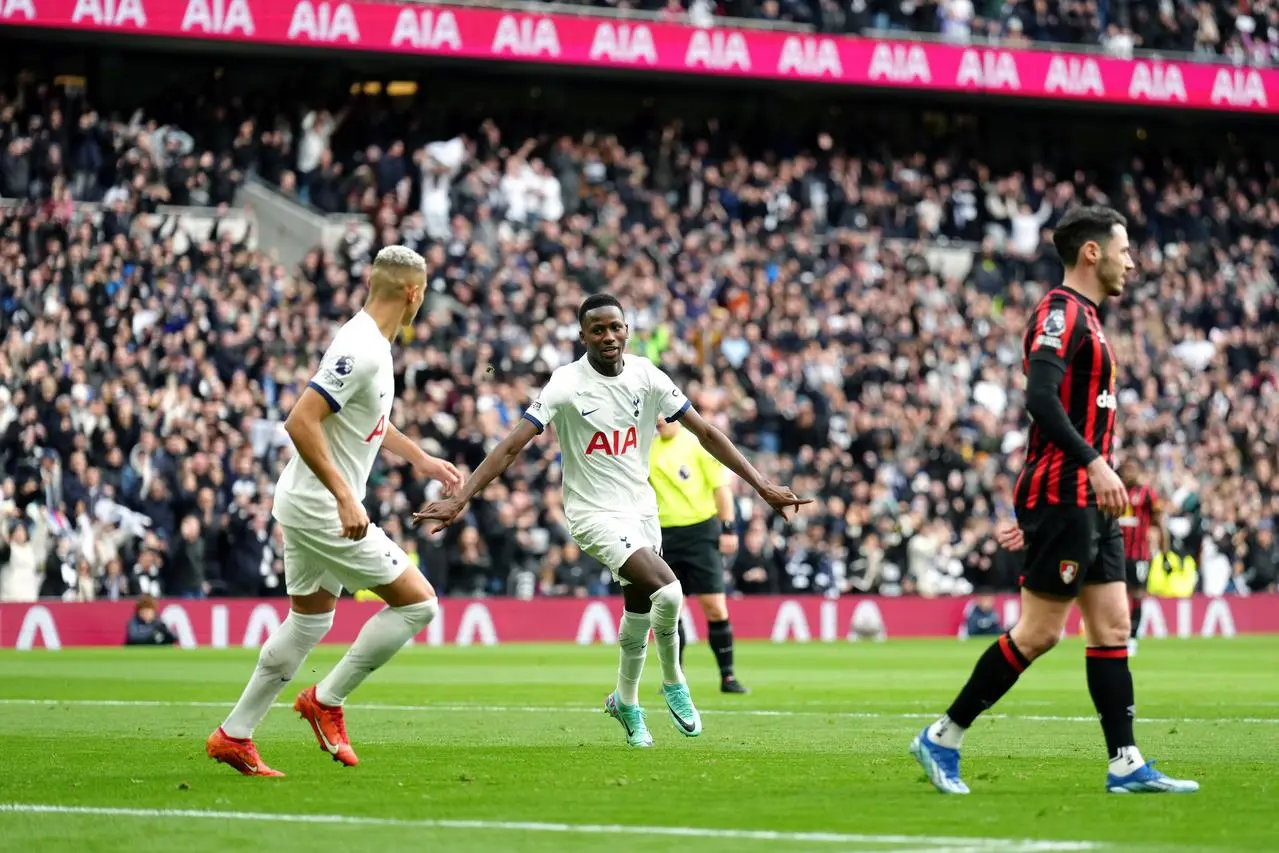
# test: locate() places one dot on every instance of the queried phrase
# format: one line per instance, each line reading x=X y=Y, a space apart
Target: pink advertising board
x=246 y=622
x=491 y=34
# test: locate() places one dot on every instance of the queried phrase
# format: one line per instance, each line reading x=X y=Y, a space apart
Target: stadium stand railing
x=289 y=229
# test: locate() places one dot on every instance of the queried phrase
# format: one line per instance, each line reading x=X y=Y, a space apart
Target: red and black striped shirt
x=1066 y=331
x=1143 y=506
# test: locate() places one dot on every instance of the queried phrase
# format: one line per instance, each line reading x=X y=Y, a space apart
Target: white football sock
x=380 y=638
x=665 y=616
x=632 y=648
x=1128 y=760
x=948 y=733
x=281 y=656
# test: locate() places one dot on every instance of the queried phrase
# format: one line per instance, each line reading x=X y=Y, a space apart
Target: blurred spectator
x=470 y=569
x=754 y=569
x=1261 y=560
x=980 y=618
x=23 y=550
x=145 y=628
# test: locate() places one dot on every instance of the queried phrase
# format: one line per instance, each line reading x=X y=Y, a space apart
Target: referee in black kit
x=695 y=509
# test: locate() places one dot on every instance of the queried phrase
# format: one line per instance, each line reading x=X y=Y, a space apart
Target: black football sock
x=679 y=627
x=996 y=672
x=1135 y=612
x=1110 y=683
x=720 y=635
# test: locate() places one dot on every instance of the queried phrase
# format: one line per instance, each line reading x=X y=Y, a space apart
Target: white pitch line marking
x=958 y=845
x=535 y=709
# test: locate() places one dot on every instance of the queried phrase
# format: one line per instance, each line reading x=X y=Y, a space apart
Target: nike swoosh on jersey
x=684 y=724
x=591 y=412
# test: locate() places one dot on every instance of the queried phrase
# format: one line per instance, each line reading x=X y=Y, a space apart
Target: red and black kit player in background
x=1068 y=501
x=1144 y=515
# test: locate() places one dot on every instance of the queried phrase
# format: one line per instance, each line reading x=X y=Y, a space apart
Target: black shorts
x=1067 y=547
x=1136 y=572
x=693 y=553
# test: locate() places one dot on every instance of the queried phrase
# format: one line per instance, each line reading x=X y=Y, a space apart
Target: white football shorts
x=315 y=560
x=612 y=539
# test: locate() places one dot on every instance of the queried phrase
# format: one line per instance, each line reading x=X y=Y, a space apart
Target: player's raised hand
x=782 y=498
x=355 y=521
x=446 y=512
x=442 y=470
x=1112 y=497
x=1010 y=536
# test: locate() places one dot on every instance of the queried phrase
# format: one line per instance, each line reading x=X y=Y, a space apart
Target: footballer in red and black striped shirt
x=1064 y=346
x=1144 y=515
x=1068 y=501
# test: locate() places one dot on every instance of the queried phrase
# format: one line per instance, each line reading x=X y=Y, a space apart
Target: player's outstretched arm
x=303 y=427
x=424 y=464
x=717 y=444
x=503 y=456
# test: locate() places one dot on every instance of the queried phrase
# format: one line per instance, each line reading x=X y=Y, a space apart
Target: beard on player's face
x=1111 y=274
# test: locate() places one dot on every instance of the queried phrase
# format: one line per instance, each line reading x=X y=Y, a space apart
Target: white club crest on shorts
x=1055 y=322
x=1068 y=570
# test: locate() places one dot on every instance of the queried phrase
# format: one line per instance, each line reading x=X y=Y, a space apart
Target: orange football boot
x=238 y=753
x=329 y=726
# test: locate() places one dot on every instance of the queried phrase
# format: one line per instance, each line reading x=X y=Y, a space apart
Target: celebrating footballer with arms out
x=340 y=424
x=604 y=408
x=1068 y=502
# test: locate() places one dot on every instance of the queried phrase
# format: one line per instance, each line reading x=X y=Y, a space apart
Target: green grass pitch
x=506 y=749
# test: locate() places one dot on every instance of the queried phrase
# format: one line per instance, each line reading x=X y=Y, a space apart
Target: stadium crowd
x=143 y=388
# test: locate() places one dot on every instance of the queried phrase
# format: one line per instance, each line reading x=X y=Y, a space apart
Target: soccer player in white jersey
x=604 y=408
x=339 y=425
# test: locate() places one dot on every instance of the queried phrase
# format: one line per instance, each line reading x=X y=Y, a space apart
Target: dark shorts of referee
x=1067 y=547
x=692 y=552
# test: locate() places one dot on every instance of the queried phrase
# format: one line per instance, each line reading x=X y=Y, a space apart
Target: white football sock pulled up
x=1128 y=760
x=380 y=638
x=948 y=733
x=667 y=602
x=632 y=650
x=281 y=657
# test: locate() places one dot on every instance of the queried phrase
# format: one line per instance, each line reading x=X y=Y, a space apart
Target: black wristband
x=727 y=528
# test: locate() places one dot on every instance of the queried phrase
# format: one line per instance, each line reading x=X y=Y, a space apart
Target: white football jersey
x=357 y=379
x=605 y=426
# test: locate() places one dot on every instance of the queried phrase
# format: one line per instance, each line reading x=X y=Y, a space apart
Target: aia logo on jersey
x=378 y=431
x=613 y=445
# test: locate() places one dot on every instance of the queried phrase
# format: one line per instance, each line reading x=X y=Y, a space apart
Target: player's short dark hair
x=1082 y=225
x=596 y=300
